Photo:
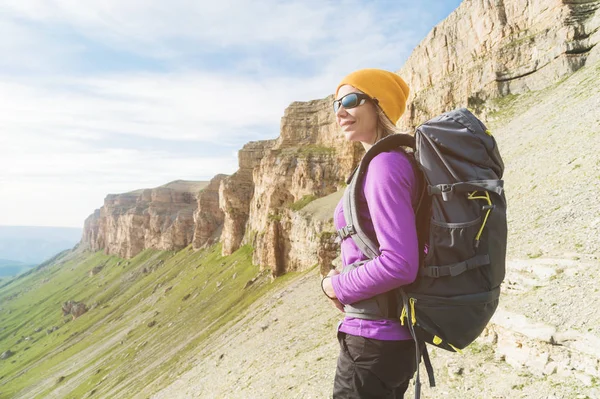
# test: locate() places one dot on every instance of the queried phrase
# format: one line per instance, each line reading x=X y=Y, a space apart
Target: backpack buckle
x=446 y=190
x=346 y=231
x=434 y=271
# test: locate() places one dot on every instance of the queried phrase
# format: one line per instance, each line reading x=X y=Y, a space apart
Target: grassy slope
x=111 y=350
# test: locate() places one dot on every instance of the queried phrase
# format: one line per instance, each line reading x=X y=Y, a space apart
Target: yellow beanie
x=388 y=88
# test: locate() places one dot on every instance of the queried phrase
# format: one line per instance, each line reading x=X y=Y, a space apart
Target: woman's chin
x=351 y=135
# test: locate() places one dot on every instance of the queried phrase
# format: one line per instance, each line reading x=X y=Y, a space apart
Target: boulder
x=74 y=308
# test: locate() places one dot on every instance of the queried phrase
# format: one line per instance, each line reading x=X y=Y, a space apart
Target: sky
x=103 y=97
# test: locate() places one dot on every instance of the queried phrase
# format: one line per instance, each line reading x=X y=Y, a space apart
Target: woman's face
x=358 y=123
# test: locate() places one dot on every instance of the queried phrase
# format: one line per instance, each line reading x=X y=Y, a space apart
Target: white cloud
x=63 y=188
x=24 y=48
x=52 y=130
x=188 y=106
x=153 y=22
x=61 y=104
x=160 y=29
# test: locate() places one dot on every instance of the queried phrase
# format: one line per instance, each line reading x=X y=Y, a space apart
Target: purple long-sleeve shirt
x=386 y=210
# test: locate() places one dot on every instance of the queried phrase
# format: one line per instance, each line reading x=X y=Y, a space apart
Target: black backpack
x=462 y=230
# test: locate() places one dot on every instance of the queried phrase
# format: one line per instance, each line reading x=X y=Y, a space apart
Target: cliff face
x=491 y=48
x=310 y=159
x=93 y=231
x=208 y=218
x=160 y=218
x=236 y=192
x=258 y=204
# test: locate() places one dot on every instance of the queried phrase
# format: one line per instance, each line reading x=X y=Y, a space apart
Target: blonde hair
x=385 y=127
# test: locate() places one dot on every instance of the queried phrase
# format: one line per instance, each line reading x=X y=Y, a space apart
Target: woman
x=377 y=357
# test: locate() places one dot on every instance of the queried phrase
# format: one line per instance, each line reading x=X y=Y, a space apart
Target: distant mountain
x=22 y=246
x=12 y=267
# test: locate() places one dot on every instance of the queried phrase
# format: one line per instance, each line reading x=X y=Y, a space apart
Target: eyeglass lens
x=348 y=101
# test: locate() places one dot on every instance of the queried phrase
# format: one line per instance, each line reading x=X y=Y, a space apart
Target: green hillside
x=146 y=315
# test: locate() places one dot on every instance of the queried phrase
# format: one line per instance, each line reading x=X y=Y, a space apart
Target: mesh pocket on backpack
x=451 y=242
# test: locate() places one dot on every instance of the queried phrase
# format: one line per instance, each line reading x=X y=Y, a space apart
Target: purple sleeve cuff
x=339 y=292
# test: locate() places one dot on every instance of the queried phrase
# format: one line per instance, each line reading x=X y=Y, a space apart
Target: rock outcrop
x=74 y=308
x=93 y=231
x=236 y=192
x=310 y=159
x=487 y=49
x=208 y=218
x=160 y=218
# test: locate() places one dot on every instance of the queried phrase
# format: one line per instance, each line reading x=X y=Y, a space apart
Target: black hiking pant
x=373 y=369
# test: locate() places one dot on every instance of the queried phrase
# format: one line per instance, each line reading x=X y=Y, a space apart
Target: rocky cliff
x=208 y=218
x=160 y=218
x=491 y=48
x=310 y=159
x=236 y=192
x=484 y=50
x=258 y=204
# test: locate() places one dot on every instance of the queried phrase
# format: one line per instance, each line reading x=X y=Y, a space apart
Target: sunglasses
x=352 y=100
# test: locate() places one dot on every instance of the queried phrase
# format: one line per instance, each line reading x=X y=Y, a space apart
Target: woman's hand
x=328 y=286
x=328 y=290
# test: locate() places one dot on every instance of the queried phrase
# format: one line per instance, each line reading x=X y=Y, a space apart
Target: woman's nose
x=341 y=111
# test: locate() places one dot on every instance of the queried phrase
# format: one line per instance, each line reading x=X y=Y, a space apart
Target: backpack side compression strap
x=456 y=268
x=496 y=186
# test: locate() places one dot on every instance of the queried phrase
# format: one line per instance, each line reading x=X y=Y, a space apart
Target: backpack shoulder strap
x=353 y=226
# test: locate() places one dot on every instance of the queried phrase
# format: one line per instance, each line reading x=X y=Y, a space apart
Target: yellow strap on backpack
x=413 y=317
x=487 y=198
